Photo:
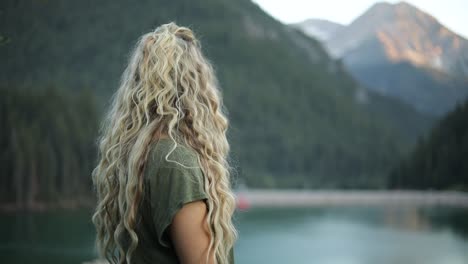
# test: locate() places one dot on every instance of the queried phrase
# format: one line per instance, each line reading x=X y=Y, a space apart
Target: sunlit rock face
x=397 y=32
x=401 y=51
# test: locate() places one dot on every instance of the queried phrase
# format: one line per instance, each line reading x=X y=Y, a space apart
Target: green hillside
x=46 y=144
x=295 y=120
x=430 y=91
x=439 y=161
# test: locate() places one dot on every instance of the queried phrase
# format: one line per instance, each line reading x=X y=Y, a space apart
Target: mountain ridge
x=388 y=38
x=321 y=29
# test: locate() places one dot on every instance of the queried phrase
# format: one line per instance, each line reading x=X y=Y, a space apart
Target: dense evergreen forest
x=47 y=145
x=441 y=160
x=298 y=120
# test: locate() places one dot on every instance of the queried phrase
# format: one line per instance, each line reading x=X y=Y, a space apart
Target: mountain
x=318 y=28
x=402 y=33
x=438 y=161
x=298 y=119
x=427 y=90
x=403 y=52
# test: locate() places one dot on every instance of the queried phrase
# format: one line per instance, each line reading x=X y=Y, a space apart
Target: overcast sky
x=451 y=13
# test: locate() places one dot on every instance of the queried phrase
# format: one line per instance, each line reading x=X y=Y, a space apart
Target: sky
x=451 y=13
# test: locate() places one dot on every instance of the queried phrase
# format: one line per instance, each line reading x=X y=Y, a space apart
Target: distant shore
x=40 y=206
x=254 y=198
x=318 y=198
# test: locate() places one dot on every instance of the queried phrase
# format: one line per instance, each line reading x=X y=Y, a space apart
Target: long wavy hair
x=168 y=88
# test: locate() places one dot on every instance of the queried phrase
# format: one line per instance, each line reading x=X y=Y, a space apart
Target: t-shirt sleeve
x=170 y=190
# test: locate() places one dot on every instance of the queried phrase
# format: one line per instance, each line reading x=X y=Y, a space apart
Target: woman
x=163 y=179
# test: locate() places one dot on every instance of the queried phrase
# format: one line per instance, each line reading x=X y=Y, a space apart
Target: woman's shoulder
x=165 y=153
x=173 y=169
x=171 y=183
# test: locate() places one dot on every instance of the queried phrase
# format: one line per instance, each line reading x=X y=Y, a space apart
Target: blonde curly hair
x=168 y=88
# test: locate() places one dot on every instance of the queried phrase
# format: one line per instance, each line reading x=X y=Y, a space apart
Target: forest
x=48 y=149
x=298 y=119
x=439 y=161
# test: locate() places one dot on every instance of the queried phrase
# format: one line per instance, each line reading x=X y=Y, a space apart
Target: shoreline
x=258 y=198
x=319 y=198
x=40 y=206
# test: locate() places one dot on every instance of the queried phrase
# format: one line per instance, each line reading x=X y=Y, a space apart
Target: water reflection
x=406 y=218
x=46 y=237
x=334 y=235
x=350 y=235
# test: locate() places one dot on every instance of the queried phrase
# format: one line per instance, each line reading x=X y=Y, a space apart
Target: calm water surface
x=294 y=236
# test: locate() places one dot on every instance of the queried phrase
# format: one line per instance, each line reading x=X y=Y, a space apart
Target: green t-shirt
x=168 y=186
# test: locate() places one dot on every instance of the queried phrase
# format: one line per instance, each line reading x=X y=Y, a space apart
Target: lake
x=327 y=235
